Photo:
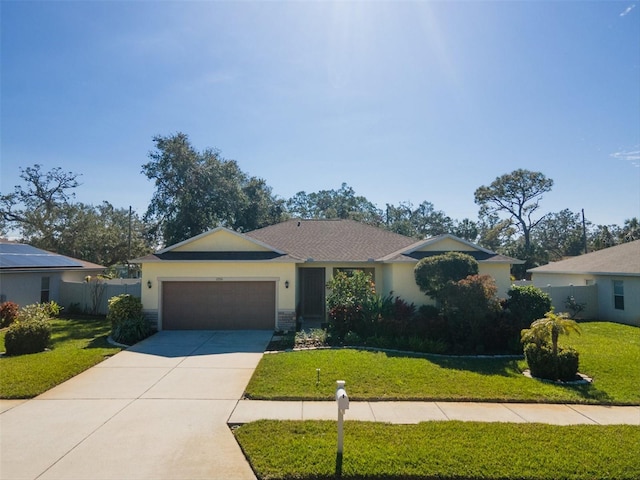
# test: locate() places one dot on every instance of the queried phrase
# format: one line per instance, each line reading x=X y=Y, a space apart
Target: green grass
x=442 y=450
x=77 y=344
x=609 y=353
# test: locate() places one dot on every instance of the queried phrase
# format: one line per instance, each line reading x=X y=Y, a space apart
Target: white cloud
x=627 y=10
x=632 y=156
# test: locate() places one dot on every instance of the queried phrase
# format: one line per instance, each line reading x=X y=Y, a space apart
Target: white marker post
x=342 y=399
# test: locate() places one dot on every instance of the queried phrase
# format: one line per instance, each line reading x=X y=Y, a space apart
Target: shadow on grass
x=490 y=366
x=64 y=329
x=338 y=465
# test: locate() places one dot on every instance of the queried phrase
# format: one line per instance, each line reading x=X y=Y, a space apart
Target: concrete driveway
x=158 y=410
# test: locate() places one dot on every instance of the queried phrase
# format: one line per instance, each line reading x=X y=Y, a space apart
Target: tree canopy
x=197 y=191
x=42 y=212
x=518 y=194
x=330 y=204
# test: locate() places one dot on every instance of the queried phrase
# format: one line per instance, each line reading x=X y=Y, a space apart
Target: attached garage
x=220 y=305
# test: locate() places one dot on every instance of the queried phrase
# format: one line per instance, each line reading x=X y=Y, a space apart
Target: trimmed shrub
x=123 y=307
x=128 y=324
x=31 y=331
x=470 y=306
x=527 y=303
x=433 y=273
x=8 y=313
x=544 y=364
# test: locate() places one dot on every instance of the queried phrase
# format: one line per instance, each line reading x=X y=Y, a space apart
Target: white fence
x=583 y=294
x=92 y=297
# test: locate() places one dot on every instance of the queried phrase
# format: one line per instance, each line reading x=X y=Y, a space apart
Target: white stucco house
x=271 y=277
x=612 y=275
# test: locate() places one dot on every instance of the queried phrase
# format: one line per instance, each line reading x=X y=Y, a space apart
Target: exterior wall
x=220 y=241
x=631 y=313
x=604 y=299
x=501 y=273
x=585 y=294
x=24 y=288
x=157 y=272
x=446 y=245
x=402 y=281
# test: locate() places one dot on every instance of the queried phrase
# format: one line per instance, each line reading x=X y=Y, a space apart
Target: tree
x=432 y=274
x=603 y=236
x=422 y=221
x=560 y=234
x=197 y=191
x=44 y=215
x=100 y=234
x=630 y=230
x=518 y=194
x=330 y=204
x=466 y=229
x=35 y=208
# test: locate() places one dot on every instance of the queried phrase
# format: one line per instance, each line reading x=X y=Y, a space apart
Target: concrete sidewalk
x=415 y=412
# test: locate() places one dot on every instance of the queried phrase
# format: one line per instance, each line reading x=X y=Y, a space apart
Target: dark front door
x=312 y=284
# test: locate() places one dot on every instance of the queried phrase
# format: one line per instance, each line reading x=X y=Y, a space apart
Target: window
x=44 y=290
x=618 y=294
x=349 y=271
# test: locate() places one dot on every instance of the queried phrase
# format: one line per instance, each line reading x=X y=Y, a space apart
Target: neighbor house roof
x=19 y=256
x=622 y=259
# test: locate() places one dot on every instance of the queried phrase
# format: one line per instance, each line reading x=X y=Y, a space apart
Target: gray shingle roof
x=622 y=259
x=331 y=240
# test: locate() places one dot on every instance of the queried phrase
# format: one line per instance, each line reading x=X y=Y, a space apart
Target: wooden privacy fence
x=92 y=297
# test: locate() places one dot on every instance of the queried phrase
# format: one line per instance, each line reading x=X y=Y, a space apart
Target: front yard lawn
x=443 y=450
x=609 y=354
x=77 y=344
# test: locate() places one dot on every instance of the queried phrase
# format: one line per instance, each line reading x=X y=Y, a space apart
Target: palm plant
x=552 y=326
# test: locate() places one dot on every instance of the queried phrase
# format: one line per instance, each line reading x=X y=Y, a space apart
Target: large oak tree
x=197 y=191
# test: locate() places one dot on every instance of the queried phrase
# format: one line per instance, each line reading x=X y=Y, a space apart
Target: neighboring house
x=30 y=275
x=270 y=277
x=612 y=276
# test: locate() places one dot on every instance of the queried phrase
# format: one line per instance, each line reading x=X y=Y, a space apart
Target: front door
x=312 y=293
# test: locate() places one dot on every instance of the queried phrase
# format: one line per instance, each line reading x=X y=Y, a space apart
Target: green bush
x=8 y=313
x=128 y=324
x=351 y=303
x=527 y=303
x=433 y=273
x=471 y=307
x=131 y=331
x=31 y=331
x=544 y=364
x=124 y=307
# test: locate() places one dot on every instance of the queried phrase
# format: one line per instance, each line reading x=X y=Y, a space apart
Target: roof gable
x=220 y=240
x=447 y=243
x=622 y=259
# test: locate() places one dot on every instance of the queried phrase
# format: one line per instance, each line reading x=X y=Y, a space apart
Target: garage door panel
x=218 y=305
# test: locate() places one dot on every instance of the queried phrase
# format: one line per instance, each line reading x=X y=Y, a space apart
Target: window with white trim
x=618 y=294
x=44 y=289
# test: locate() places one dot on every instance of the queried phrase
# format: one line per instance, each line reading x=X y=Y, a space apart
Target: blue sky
x=404 y=101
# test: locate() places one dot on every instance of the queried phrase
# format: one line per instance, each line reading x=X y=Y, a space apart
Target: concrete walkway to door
x=158 y=410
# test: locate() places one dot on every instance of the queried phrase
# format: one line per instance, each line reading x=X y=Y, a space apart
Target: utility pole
x=129 y=247
x=584 y=232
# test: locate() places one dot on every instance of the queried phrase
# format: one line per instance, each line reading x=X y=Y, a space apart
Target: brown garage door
x=218 y=305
